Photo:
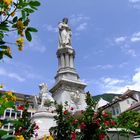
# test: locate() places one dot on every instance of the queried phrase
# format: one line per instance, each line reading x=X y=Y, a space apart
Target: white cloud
x=120 y=85
x=81 y=27
x=134 y=1
x=135 y=37
x=36 y=45
x=103 y=67
x=79 y=23
x=50 y=28
x=78 y=19
x=23 y=69
x=131 y=52
x=120 y=39
x=5 y=73
x=111 y=81
x=127 y=42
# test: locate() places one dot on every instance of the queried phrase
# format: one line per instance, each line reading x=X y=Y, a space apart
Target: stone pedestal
x=45 y=120
x=120 y=134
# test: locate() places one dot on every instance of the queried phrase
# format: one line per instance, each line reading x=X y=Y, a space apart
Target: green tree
x=88 y=125
x=130 y=120
x=24 y=126
x=14 y=17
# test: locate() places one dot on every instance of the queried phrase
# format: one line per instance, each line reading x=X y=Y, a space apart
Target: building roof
x=101 y=103
x=134 y=106
x=20 y=96
x=128 y=94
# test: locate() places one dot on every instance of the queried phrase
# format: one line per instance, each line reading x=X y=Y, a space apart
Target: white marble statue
x=75 y=98
x=43 y=94
x=64 y=33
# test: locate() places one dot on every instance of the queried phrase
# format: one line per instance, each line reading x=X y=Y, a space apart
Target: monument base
x=45 y=120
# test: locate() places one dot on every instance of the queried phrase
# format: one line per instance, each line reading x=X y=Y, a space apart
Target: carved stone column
x=67 y=59
x=62 y=60
x=71 y=61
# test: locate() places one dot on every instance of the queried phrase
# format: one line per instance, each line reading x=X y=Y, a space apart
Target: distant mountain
x=106 y=96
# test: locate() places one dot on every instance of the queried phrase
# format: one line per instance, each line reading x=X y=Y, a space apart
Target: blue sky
x=106 y=38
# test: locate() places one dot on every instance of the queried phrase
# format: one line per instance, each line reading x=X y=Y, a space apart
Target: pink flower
x=72 y=108
x=36 y=127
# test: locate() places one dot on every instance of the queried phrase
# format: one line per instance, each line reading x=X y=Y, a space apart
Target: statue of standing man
x=64 y=33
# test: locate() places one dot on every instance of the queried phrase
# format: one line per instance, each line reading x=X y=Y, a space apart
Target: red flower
x=97 y=122
x=21 y=107
x=75 y=121
x=113 y=123
x=95 y=114
x=36 y=127
x=65 y=112
x=105 y=114
x=17 y=133
x=101 y=136
x=82 y=125
x=106 y=123
x=73 y=135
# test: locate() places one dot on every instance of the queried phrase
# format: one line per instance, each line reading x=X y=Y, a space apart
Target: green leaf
x=34 y=3
x=14 y=26
x=28 y=35
x=3 y=47
x=2 y=110
x=23 y=14
x=15 y=19
x=7 y=54
x=1 y=56
x=33 y=7
x=8 y=137
x=4 y=26
x=2 y=133
x=1 y=43
x=32 y=29
x=28 y=10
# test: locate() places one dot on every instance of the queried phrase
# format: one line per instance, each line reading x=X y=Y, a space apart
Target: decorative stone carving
x=64 y=33
x=43 y=94
x=75 y=96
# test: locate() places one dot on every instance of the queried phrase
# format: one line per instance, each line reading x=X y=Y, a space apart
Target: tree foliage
x=89 y=125
x=130 y=120
x=14 y=17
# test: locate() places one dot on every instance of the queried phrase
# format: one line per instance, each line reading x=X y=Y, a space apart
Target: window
x=17 y=103
x=117 y=111
x=127 y=101
x=11 y=126
x=7 y=113
x=13 y=114
x=113 y=111
x=29 y=114
x=5 y=126
x=18 y=114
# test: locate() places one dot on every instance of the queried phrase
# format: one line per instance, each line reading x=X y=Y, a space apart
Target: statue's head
x=65 y=20
x=43 y=86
